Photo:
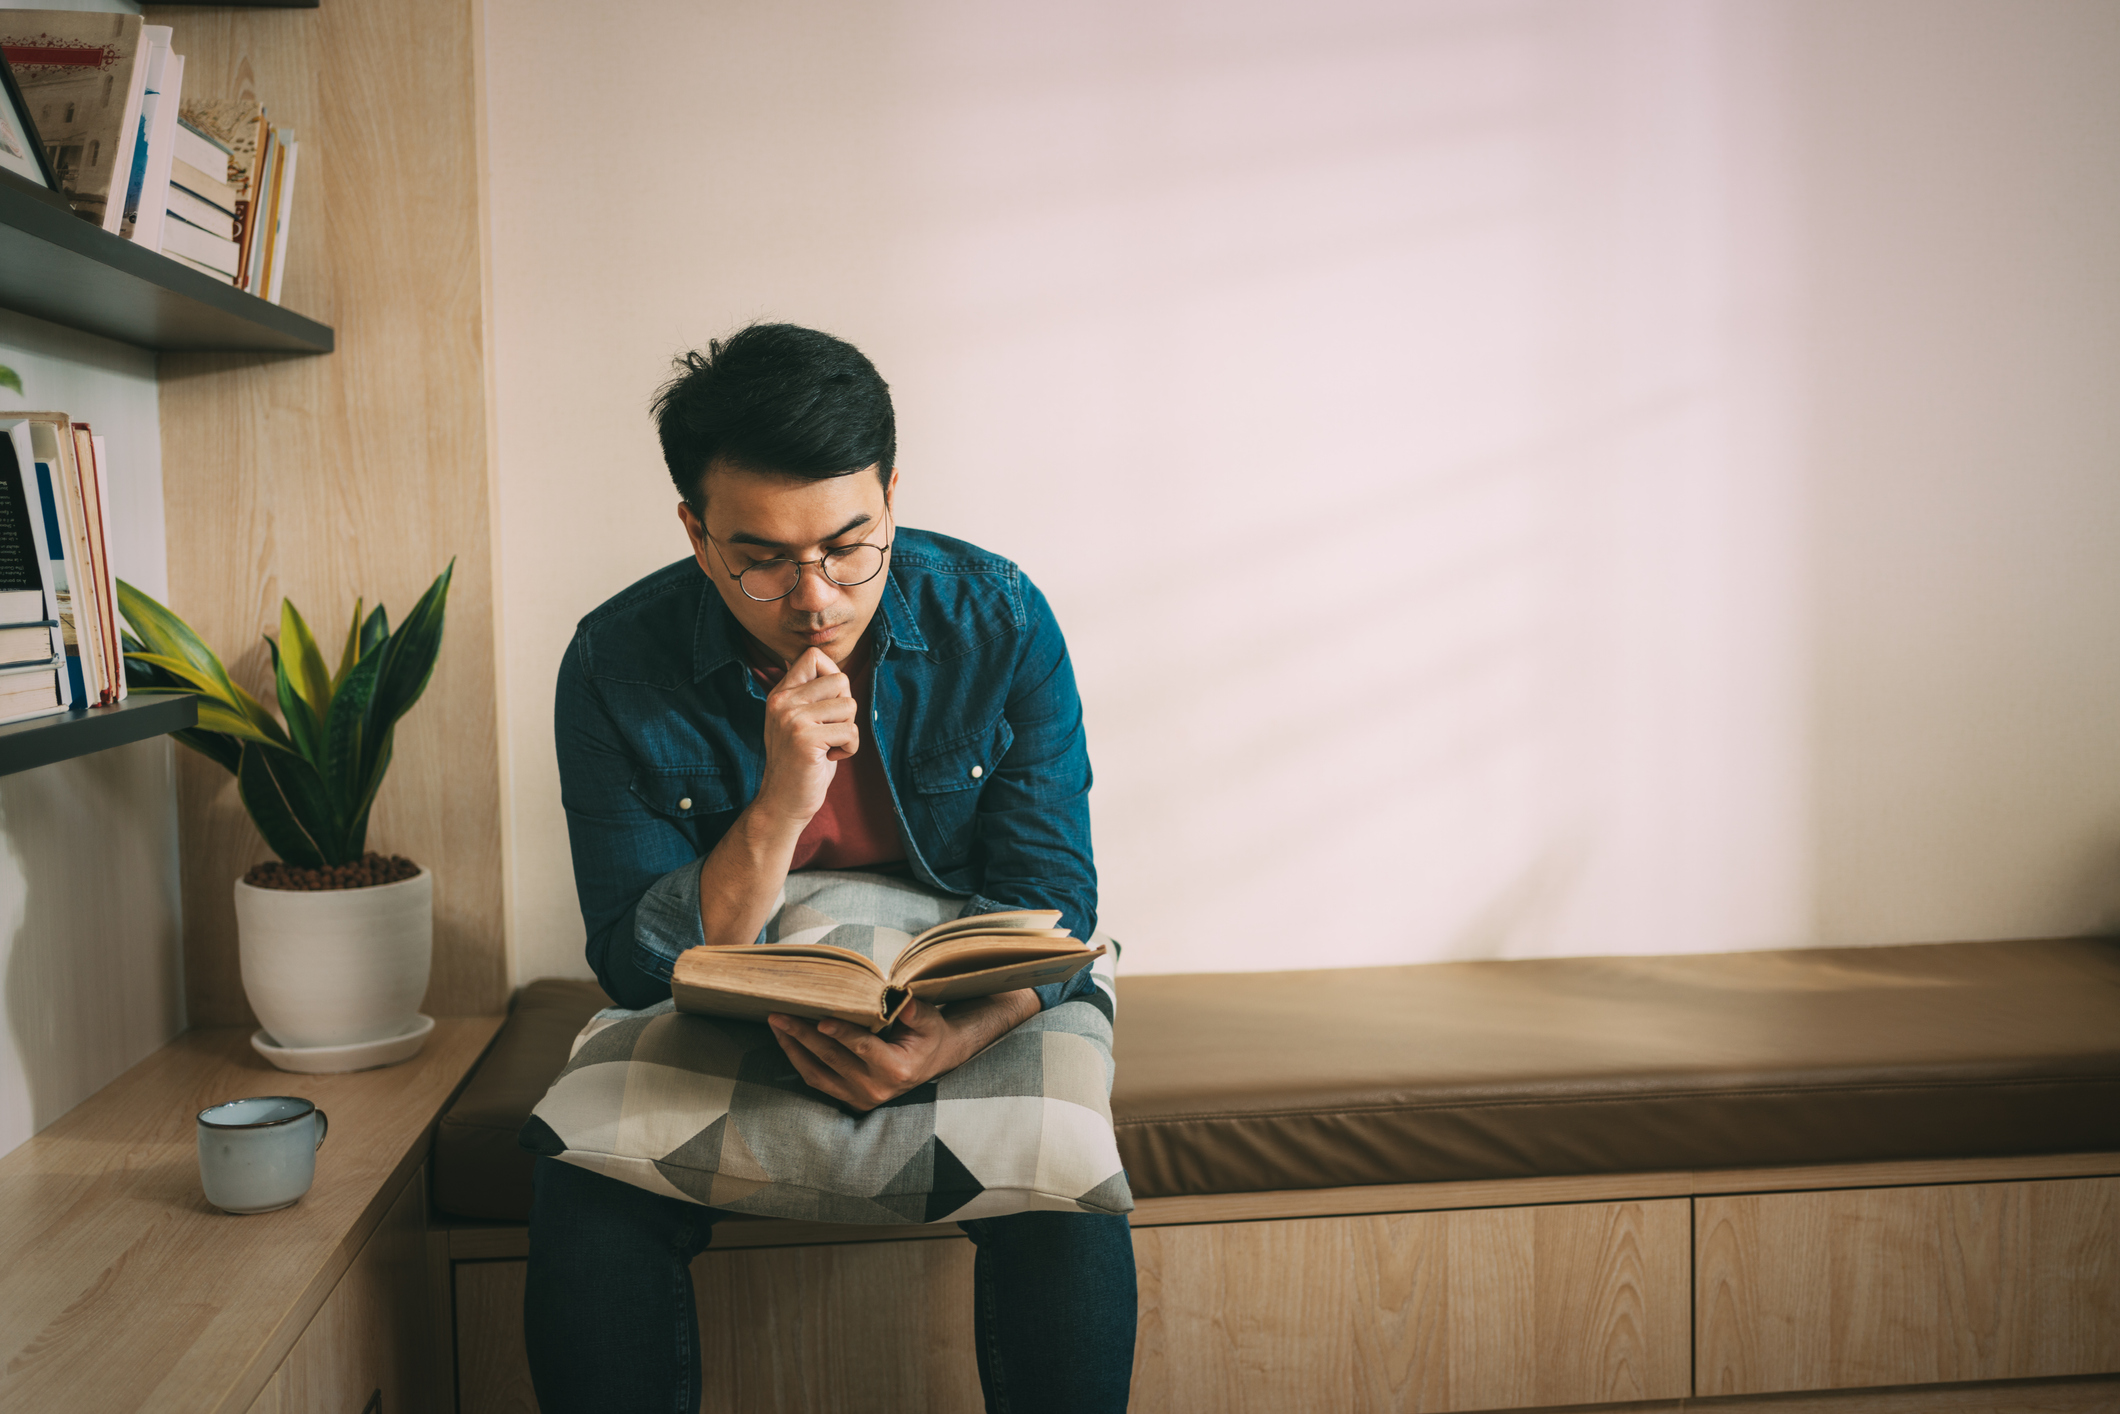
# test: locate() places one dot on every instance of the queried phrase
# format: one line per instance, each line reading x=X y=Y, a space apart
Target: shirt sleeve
x=636 y=873
x=1034 y=813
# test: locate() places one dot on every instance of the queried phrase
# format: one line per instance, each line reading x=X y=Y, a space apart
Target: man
x=815 y=687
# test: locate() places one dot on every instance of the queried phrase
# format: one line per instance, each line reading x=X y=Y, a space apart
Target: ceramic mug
x=259 y=1154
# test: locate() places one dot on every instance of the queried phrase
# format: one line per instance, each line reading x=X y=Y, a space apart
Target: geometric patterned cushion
x=711 y=1111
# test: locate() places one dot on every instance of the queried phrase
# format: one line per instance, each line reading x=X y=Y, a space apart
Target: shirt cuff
x=667 y=921
x=1079 y=985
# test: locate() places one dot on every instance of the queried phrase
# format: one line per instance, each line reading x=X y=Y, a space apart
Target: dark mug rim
x=259 y=1123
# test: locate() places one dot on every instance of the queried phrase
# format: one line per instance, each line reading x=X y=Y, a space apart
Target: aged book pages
x=959 y=959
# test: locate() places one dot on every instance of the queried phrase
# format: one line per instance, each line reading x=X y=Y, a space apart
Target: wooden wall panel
x=798 y=1330
x=360 y=472
x=1489 y=1309
x=1890 y=1286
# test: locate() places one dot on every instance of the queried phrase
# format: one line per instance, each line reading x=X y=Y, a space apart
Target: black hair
x=775 y=398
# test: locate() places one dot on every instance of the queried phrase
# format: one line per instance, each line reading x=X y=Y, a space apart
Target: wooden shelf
x=57 y=266
x=43 y=740
x=126 y=1292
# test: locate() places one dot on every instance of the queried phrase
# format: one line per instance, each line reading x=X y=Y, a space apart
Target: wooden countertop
x=121 y=1289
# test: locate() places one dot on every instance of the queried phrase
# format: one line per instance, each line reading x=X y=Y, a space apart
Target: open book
x=964 y=957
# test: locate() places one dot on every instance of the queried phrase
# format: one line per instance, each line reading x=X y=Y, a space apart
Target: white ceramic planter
x=338 y=966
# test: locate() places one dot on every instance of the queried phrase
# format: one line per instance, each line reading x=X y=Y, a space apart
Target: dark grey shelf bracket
x=42 y=740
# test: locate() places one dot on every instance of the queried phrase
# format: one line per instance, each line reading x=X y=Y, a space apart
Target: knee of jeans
x=1041 y=1226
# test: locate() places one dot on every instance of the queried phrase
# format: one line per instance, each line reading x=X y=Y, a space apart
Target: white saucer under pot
x=361 y=1055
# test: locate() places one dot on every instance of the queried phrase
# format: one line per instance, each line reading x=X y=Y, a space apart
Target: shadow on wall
x=88 y=916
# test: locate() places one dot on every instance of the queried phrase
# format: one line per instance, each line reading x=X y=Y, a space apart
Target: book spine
x=106 y=577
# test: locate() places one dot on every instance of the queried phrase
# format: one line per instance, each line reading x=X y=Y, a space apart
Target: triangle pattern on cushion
x=953 y=1186
x=540 y=1138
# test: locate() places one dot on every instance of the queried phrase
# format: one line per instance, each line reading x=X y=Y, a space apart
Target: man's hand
x=810 y=727
x=848 y=1063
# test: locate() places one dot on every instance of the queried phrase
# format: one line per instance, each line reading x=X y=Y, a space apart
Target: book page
x=954 y=956
x=989 y=923
x=800 y=979
x=1032 y=972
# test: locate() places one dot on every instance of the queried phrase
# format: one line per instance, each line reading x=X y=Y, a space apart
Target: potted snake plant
x=335 y=941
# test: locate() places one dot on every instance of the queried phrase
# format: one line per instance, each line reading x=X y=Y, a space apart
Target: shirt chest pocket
x=685 y=793
x=947 y=780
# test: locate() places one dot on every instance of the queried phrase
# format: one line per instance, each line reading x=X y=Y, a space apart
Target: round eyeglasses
x=769 y=580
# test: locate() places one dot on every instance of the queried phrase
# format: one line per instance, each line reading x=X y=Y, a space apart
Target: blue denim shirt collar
x=715 y=633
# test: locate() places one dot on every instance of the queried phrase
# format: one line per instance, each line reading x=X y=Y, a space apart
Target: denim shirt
x=659 y=724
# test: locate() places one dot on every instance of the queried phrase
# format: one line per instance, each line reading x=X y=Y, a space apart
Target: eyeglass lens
x=846 y=567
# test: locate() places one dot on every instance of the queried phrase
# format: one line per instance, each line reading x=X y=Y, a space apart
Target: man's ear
x=696 y=533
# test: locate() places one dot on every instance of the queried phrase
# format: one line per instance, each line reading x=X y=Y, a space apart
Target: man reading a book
x=814 y=687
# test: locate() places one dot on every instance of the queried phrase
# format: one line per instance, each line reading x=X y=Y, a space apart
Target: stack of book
x=208 y=182
x=60 y=644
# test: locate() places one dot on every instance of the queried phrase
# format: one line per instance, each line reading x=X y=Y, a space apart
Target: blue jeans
x=611 y=1325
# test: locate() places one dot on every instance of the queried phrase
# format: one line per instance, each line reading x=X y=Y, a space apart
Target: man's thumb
x=812 y=664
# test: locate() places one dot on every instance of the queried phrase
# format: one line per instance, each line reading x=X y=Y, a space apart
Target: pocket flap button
x=685 y=804
x=977 y=772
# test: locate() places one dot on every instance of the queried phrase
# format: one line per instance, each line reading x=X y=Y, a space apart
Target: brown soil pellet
x=366 y=872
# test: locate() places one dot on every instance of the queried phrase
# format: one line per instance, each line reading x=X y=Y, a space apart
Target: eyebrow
x=745 y=537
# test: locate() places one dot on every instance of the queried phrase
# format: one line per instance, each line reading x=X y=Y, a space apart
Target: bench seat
x=1251 y=1082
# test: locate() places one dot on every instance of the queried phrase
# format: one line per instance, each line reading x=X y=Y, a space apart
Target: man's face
x=752 y=517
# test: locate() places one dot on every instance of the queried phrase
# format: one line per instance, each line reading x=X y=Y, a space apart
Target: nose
x=813 y=593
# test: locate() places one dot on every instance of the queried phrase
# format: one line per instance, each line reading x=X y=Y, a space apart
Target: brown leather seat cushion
x=1471 y=1070
x=479 y=1169
x=1249 y=1081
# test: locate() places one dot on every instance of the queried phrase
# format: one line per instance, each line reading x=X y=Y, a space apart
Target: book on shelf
x=83 y=76
x=952 y=961
x=195 y=211
x=237 y=125
x=33 y=678
x=201 y=249
x=148 y=204
x=71 y=487
x=207 y=189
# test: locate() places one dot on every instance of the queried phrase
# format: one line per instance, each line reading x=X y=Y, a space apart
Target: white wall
x=1584 y=476
x=91 y=975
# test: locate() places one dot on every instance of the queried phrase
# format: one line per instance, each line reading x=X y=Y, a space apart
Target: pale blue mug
x=259 y=1154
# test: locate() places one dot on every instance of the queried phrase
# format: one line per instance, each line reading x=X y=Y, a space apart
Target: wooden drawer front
x=369 y=1347
x=1487 y=1309
x=1888 y=1286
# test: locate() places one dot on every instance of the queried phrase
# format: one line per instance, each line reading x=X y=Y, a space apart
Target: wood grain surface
x=1475 y=1309
x=125 y=1291
x=1833 y=1290
x=372 y=1338
x=360 y=472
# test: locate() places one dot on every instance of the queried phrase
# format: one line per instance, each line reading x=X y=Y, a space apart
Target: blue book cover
x=55 y=547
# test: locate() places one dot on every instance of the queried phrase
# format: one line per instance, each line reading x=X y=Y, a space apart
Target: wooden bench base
x=1938 y=1285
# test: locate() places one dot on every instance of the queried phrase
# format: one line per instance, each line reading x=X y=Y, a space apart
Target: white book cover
x=201 y=151
x=112 y=628
x=128 y=138
x=54 y=443
x=161 y=153
x=49 y=696
x=18 y=435
x=180 y=237
x=204 y=269
x=204 y=214
x=282 y=220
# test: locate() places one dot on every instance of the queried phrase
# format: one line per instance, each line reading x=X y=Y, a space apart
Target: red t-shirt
x=856 y=828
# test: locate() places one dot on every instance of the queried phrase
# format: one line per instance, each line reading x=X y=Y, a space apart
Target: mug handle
x=323 y=1127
